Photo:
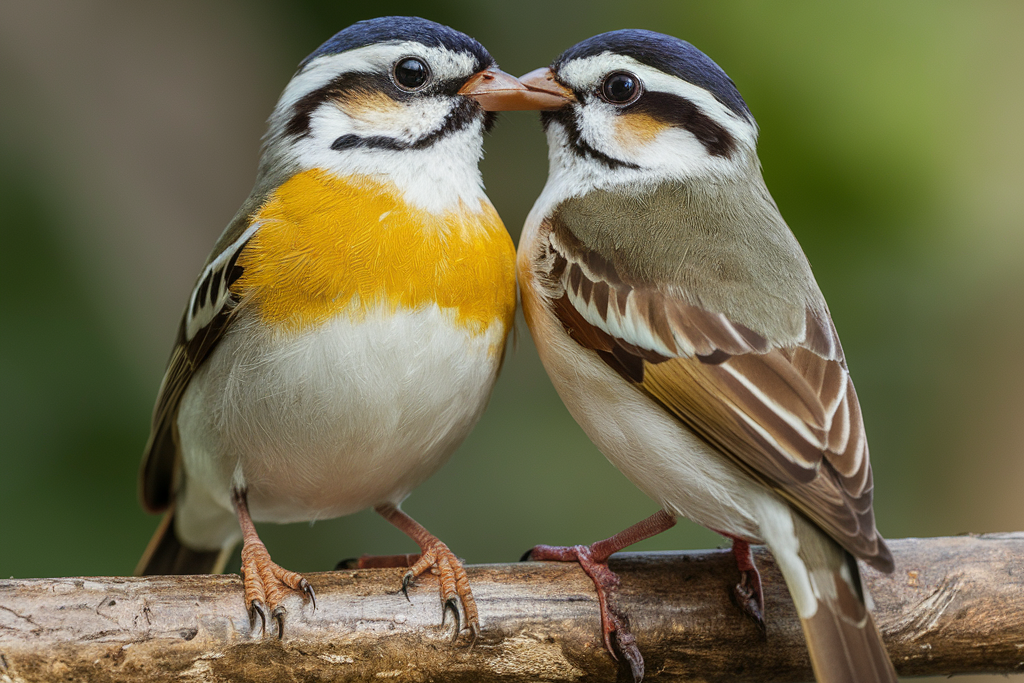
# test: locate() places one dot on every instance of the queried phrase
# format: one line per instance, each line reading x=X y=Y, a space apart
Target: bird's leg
x=265 y=582
x=747 y=594
x=594 y=560
x=440 y=561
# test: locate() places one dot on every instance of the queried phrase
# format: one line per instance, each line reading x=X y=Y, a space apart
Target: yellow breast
x=328 y=246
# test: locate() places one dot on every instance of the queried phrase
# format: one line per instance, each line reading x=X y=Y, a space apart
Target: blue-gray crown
x=400 y=29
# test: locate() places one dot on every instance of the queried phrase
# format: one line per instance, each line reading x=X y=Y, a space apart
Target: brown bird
x=678 y=318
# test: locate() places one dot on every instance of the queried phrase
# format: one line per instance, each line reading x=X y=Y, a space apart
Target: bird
x=345 y=333
x=679 y=321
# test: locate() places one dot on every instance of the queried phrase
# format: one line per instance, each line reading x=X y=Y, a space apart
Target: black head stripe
x=402 y=29
x=665 y=53
x=464 y=113
x=354 y=84
x=566 y=116
x=679 y=111
x=345 y=84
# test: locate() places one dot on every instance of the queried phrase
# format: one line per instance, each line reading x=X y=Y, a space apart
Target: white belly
x=654 y=450
x=329 y=421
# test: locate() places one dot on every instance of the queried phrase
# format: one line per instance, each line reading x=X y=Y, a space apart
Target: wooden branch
x=953 y=605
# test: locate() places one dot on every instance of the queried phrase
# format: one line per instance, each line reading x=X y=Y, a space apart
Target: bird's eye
x=411 y=73
x=620 y=87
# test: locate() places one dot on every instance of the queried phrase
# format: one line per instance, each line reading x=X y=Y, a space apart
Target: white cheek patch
x=405 y=122
x=442 y=176
x=658 y=153
x=671 y=149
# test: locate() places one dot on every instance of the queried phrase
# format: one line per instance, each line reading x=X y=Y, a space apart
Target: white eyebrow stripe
x=587 y=73
x=378 y=58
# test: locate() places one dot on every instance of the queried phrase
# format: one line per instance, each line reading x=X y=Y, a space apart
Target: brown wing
x=788 y=415
x=209 y=313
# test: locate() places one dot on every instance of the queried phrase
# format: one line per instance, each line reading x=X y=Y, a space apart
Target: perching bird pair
x=346 y=332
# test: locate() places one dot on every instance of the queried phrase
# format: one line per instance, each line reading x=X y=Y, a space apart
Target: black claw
x=257 y=608
x=744 y=598
x=526 y=556
x=453 y=605
x=406 y=581
x=309 y=592
x=278 y=616
x=625 y=642
x=347 y=563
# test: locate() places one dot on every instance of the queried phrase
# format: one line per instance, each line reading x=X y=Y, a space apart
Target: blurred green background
x=129 y=134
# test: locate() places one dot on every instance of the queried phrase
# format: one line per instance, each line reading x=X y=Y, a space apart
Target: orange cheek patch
x=369 y=106
x=637 y=129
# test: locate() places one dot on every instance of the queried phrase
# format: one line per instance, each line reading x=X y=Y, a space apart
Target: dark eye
x=411 y=73
x=620 y=87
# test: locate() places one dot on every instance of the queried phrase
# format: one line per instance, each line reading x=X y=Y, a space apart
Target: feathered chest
x=326 y=246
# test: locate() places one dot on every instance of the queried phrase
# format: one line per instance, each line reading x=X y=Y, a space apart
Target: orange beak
x=546 y=90
x=496 y=90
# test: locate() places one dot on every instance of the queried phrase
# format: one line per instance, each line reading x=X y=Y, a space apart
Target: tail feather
x=824 y=580
x=166 y=555
x=845 y=650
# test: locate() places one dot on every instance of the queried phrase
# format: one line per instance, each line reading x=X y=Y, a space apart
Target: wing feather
x=787 y=414
x=209 y=313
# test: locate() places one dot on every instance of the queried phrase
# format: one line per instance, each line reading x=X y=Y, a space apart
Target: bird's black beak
x=496 y=90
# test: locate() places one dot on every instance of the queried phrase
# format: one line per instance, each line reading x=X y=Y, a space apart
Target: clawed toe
x=257 y=609
x=619 y=640
x=308 y=592
x=453 y=584
x=266 y=584
x=749 y=599
x=278 y=616
x=452 y=605
x=748 y=594
x=406 y=582
x=440 y=561
x=625 y=642
x=594 y=561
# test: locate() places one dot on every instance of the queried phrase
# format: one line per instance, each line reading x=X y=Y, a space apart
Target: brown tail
x=165 y=554
x=842 y=638
x=844 y=650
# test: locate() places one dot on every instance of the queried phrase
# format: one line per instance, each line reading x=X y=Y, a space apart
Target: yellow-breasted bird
x=346 y=331
x=678 y=318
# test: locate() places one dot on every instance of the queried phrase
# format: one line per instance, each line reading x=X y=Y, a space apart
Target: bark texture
x=953 y=605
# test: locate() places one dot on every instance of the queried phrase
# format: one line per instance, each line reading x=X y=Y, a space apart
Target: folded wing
x=207 y=317
x=788 y=415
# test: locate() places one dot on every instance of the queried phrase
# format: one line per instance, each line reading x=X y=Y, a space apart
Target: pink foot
x=614 y=623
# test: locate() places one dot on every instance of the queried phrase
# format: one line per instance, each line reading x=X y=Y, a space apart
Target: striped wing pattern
x=787 y=415
x=210 y=311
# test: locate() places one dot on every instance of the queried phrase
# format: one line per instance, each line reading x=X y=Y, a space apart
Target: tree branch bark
x=953 y=605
